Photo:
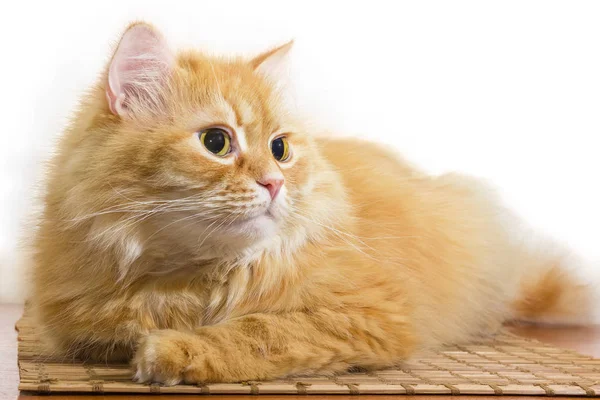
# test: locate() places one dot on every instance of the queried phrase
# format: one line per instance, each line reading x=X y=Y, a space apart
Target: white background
x=507 y=90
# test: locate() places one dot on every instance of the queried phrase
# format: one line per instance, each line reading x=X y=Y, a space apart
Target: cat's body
x=358 y=260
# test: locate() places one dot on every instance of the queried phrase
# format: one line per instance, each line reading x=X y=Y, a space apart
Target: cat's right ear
x=138 y=71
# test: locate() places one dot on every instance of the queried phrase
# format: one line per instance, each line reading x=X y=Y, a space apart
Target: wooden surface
x=583 y=340
x=502 y=364
x=9 y=373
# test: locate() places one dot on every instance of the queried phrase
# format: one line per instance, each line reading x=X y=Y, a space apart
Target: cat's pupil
x=214 y=140
x=278 y=148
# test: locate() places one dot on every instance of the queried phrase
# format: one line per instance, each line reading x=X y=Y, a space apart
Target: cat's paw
x=164 y=356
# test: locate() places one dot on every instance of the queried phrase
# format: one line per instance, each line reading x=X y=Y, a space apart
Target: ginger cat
x=194 y=227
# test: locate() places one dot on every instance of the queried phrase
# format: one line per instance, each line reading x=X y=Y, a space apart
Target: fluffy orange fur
x=147 y=249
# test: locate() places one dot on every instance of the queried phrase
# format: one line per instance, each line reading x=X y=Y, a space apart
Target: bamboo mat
x=504 y=365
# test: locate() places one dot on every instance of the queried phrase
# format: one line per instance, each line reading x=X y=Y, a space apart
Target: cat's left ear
x=274 y=64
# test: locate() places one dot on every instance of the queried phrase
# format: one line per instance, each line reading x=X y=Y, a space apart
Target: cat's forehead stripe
x=235 y=121
x=247 y=116
x=243 y=112
x=241 y=138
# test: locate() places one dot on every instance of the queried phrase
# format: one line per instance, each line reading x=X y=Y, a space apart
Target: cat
x=194 y=227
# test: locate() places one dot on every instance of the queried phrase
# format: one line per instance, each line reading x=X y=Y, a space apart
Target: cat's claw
x=160 y=359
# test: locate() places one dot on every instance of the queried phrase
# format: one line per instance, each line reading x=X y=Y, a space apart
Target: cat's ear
x=274 y=64
x=138 y=71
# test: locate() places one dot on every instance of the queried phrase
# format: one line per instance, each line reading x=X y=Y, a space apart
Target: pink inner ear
x=140 y=64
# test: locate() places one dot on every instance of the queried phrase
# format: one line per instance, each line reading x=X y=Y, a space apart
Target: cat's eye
x=280 y=149
x=216 y=140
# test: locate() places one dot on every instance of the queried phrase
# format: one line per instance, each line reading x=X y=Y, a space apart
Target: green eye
x=216 y=141
x=280 y=149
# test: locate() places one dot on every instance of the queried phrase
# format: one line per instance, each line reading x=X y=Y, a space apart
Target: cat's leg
x=266 y=346
x=87 y=332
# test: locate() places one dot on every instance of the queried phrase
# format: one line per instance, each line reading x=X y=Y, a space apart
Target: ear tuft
x=138 y=70
x=274 y=64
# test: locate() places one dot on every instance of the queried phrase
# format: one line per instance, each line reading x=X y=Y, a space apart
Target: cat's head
x=180 y=152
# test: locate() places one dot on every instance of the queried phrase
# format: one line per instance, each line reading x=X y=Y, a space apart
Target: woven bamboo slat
x=503 y=365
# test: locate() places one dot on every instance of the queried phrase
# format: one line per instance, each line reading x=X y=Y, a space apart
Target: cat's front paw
x=166 y=357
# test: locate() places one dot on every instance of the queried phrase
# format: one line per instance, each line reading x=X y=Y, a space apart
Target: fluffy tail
x=557 y=288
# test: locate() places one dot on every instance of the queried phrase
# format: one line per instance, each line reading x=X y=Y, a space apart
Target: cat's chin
x=258 y=227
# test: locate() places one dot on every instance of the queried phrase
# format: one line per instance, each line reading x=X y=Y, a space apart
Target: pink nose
x=273 y=185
